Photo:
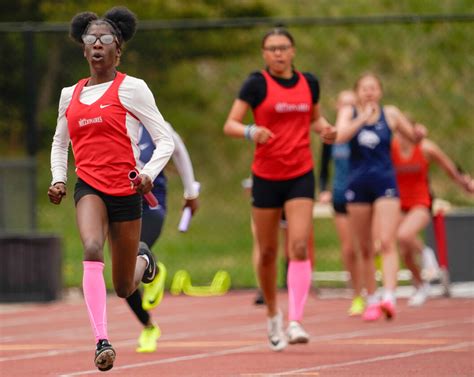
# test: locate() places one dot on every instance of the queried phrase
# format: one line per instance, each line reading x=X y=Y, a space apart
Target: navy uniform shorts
x=369 y=189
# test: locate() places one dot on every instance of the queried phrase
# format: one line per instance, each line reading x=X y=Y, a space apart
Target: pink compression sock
x=299 y=283
x=93 y=285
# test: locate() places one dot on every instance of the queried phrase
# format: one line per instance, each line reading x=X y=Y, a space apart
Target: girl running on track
x=152 y=223
x=340 y=154
x=100 y=117
x=372 y=195
x=285 y=107
x=412 y=163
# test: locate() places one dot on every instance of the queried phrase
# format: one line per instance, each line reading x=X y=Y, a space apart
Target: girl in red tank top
x=411 y=168
x=106 y=206
x=284 y=113
x=411 y=162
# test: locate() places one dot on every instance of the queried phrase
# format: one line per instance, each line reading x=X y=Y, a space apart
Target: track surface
x=226 y=336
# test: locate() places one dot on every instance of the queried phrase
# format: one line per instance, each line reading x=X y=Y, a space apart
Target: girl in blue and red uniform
x=100 y=117
x=285 y=108
x=372 y=195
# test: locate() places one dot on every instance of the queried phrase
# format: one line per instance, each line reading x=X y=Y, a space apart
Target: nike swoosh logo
x=104 y=106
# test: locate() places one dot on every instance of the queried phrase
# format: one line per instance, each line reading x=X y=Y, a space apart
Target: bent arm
x=346 y=125
x=143 y=106
x=399 y=122
x=61 y=140
x=436 y=154
x=320 y=125
x=233 y=125
x=235 y=128
x=183 y=163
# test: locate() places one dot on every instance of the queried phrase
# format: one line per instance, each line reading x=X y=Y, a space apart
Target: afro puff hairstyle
x=121 y=20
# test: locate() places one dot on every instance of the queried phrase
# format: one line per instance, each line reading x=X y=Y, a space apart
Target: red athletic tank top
x=102 y=148
x=287 y=113
x=412 y=176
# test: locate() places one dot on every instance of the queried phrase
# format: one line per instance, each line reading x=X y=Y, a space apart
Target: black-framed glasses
x=281 y=48
x=105 y=39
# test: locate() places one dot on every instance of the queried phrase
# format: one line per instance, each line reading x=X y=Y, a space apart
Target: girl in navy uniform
x=372 y=193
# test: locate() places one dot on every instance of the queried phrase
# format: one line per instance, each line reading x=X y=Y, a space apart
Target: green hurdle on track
x=182 y=284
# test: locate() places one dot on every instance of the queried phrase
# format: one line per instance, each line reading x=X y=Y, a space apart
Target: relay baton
x=149 y=197
x=187 y=214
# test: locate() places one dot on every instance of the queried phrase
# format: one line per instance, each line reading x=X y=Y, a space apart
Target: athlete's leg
x=410 y=245
x=387 y=219
x=92 y=222
x=360 y=222
x=299 y=218
x=349 y=256
x=127 y=268
x=266 y=222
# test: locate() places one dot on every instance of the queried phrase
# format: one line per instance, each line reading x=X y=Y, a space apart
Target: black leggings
x=152 y=224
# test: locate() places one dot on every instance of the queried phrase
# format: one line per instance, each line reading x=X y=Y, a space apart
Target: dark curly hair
x=121 y=20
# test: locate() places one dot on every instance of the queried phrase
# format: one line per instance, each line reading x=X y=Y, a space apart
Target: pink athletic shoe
x=372 y=313
x=388 y=308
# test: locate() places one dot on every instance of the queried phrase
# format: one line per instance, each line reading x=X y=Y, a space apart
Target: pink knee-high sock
x=93 y=285
x=299 y=283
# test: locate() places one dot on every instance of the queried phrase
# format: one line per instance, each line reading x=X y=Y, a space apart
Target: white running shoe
x=420 y=296
x=276 y=336
x=296 y=333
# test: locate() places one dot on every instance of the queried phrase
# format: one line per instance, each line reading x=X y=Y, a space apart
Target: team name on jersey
x=368 y=139
x=284 y=107
x=87 y=121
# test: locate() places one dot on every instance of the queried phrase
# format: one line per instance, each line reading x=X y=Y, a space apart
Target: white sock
x=372 y=299
x=389 y=296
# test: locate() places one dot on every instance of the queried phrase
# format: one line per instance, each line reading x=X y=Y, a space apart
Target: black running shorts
x=274 y=194
x=119 y=208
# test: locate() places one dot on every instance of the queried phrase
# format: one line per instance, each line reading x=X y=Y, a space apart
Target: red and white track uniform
x=102 y=124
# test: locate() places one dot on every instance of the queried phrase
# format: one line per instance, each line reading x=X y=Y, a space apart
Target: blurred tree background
x=195 y=59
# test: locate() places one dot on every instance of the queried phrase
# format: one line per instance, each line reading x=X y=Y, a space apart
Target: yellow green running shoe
x=148 y=338
x=357 y=306
x=153 y=292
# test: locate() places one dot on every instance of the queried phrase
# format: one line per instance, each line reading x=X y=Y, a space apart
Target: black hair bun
x=124 y=19
x=79 y=25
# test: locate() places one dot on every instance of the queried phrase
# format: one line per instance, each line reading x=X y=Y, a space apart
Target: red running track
x=226 y=336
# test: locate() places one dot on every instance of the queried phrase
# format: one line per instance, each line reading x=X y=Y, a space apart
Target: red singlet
x=412 y=177
x=102 y=148
x=287 y=113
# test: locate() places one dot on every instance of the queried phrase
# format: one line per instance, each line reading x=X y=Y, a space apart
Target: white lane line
x=315 y=339
x=251 y=328
x=401 y=355
x=172 y=360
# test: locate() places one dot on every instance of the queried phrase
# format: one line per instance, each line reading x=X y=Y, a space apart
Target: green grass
x=427 y=70
x=219 y=236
